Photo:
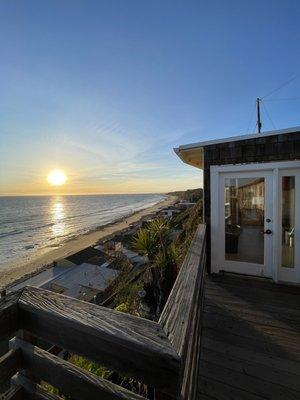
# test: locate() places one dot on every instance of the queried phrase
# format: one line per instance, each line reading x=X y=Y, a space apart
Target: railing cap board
x=109 y=322
x=179 y=309
x=71 y=380
x=129 y=344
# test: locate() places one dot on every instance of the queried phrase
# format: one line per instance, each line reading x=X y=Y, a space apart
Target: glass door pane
x=244 y=219
x=288 y=222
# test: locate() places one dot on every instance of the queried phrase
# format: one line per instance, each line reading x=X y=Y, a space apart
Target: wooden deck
x=250 y=340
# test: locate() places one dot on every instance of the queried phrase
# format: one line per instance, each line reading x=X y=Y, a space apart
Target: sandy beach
x=18 y=271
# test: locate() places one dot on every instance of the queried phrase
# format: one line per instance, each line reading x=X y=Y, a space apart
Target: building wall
x=284 y=147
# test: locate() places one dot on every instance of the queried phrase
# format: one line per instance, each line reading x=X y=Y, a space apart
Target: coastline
x=16 y=272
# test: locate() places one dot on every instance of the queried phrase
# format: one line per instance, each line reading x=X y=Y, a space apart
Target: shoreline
x=16 y=272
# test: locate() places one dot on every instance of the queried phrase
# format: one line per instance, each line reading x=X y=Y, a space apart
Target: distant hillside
x=192 y=195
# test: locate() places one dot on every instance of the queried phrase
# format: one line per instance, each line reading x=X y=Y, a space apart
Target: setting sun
x=57 y=177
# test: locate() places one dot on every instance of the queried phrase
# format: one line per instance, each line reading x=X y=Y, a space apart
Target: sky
x=105 y=89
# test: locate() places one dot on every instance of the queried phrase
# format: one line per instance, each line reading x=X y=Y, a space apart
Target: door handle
x=267 y=232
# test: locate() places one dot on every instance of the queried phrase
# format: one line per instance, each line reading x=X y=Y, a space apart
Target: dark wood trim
x=10 y=363
x=9 y=317
x=15 y=393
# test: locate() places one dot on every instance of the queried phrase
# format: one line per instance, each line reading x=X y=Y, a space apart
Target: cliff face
x=187 y=221
x=191 y=195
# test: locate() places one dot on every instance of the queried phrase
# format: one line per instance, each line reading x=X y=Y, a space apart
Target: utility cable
x=251 y=117
x=268 y=114
x=280 y=86
x=284 y=99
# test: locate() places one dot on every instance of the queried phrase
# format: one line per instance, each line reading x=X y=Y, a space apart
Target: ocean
x=32 y=225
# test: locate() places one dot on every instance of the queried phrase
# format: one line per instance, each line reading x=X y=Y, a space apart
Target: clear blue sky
x=106 y=89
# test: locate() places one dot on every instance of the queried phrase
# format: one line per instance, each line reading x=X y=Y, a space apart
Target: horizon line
x=79 y=194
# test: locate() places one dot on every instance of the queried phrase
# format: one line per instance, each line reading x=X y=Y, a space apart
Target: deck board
x=250 y=344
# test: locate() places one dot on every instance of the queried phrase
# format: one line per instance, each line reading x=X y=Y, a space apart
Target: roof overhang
x=192 y=153
x=192 y=156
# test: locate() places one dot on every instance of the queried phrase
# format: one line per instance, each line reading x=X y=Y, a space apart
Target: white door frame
x=285 y=274
x=217 y=203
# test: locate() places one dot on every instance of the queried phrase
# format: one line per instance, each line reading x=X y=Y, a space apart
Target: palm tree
x=153 y=241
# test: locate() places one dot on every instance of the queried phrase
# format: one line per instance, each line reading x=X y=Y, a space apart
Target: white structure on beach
x=42 y=278
x=83 y=281
x=169 y=212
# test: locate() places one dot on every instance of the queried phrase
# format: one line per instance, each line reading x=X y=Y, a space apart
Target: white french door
x=255 y=220
x=288 y=254
x=245 y=222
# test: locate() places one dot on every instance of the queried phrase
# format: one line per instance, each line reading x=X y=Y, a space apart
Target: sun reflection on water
x=58 y=216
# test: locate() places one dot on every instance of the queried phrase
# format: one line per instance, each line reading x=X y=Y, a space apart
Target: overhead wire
x=268 y=114
x=284 y=99
x=269 y=94
x=251 y=117
x=280 y=86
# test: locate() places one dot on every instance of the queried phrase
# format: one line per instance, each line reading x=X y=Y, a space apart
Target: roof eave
x=193 y=156
x=239 y=137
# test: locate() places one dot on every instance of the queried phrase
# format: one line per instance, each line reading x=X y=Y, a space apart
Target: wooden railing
x=163 y=355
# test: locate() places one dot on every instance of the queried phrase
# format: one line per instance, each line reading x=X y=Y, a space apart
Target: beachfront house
x=169 y=212
x=251 y=202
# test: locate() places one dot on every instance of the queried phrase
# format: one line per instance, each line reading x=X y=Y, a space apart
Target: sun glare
x=56 y=177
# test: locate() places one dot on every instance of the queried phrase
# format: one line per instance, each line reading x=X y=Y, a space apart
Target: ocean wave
x=5 y=234
x=15 y=220
x=31 y=229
